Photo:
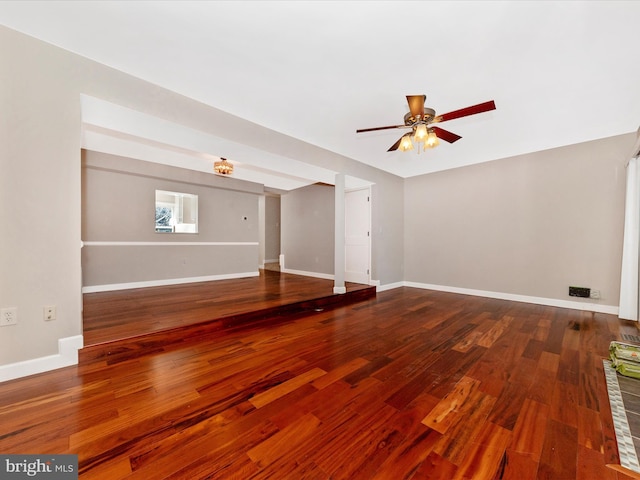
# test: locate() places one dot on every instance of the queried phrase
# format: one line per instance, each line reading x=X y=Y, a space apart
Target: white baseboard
x=552 y=302
x=271 y=260
x=67 y=355
x=388 y=286
x=170 y=281
x=326 y=276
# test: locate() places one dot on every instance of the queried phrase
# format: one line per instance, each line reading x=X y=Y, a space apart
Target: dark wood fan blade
x=464 y=112
x=446 y=135
x=362 y=130
x=395 y=146
x=416 y=105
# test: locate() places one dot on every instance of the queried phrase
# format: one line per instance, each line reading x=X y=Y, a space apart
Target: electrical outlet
x=8 y=316
x=50 y=312
x=595 y=293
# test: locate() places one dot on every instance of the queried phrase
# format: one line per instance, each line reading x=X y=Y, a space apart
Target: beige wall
x=118 y=201
x=387 y=218
x=40 y=194
x=272 y=228
x=307 y=230
x=530 y=225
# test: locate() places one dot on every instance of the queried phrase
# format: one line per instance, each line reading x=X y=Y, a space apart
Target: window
x=176 y=212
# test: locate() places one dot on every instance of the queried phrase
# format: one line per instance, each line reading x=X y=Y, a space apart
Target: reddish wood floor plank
x=409 y=383
x=487 y=455
x=109 y=316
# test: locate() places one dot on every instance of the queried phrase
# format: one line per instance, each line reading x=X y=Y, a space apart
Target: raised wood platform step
x=136 y=345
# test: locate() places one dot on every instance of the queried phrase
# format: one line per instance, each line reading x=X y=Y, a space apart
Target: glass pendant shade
x=421 y=133
x=405 y=143
x=432 y=140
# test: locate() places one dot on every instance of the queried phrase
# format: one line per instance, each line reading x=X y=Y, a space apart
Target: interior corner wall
x=307 y=229
x=121 y=249
x=272 y=229
x=40 y=145
x=531 y=225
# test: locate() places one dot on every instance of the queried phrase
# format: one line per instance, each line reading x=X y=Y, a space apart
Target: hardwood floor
x=110 y=316
x=408 y=384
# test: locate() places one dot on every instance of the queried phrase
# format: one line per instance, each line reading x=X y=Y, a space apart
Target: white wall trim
x=326 y=276
x=552 y=302
x=169 y=281
x=388 y=286
x=271 y=260
x=164 y=244
x=67 y=355
x=339 y=290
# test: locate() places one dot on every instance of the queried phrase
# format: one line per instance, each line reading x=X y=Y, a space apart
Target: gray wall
x=40 y=145
x=530 y=225
x=118 y=201
x=387 y=218
x=307 y=230
x=272 y=228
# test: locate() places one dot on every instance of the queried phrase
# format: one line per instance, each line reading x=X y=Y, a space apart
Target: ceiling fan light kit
x=419 y=118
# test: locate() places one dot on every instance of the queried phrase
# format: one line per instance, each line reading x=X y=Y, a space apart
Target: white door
x=357 y=215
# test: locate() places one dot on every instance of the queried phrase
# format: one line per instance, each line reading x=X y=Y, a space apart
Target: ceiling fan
x=420 y=118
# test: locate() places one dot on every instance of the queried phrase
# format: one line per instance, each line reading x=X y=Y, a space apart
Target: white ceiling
x=560 y=72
